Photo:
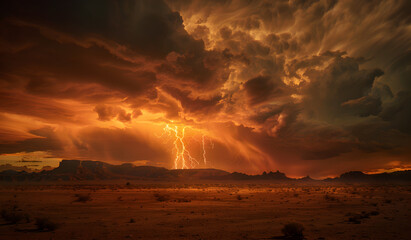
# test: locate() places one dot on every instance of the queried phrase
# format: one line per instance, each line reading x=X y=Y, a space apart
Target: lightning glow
x=183 y=158
x=204 y=151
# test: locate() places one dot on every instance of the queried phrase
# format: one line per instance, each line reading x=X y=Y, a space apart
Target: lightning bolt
x=204 y=151
x=183 y=157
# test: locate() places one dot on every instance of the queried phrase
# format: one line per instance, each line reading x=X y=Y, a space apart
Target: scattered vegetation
x=83 y=198
x=356 y=218
x=183 y=200
x=374 y=213
x=14 y=216
x=161 y=197
x=293 y=231
x=45 y=224
x=330 y=198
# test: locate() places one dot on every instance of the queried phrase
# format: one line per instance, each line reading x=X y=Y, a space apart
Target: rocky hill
x=95 y=170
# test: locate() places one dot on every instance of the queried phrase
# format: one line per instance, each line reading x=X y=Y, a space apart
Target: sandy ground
x=208 y=211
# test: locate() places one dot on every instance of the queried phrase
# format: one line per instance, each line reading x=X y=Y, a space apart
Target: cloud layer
x=307 y=87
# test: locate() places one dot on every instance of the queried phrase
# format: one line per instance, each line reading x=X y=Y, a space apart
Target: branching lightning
x=182 y=154
x=204 y=151
x=183 y=158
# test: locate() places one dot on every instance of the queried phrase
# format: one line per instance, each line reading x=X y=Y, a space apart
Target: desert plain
x=132 y=210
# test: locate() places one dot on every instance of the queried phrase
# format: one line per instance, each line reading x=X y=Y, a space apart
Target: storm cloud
x=306 y=87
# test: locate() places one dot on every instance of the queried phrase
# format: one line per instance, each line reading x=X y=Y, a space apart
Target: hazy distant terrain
x=70 y=170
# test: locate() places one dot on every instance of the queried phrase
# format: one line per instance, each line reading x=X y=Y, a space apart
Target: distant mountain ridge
x=70 y=170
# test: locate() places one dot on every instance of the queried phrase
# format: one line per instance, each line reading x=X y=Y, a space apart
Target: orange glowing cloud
x=313 y=88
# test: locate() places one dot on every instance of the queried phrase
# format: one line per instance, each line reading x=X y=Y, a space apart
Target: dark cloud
x=40 y=107
x=57 y=68
x=148 y=27
x=46 y=140
x=123 y=116
x=107 y=113
x=363 y=106
x=339 y=87
x=398 y=112
x=160 y=102
x=263 y=114
x=204 y=69
x=262 y=88
x=197 y=105
x=400 y=71
x=85 y=51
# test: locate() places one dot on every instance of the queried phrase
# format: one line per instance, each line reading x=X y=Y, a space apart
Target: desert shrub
x=13 y=216
x=364 y=214
x=330 y=198
x=45 y=224
x=132 y=220
x=239 y=197
x=374 y=213
x=183 y=200
x=161 y=197
x=82 y=198
x=356 y=219
x=293 y=231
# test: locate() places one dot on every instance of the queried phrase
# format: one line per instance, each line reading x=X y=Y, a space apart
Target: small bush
x=183 y=200
x=82 y=198
x=13 y=216
x=239 y=197
x=161 y=197
x=374 y=213
x=132 y=220
x=45 y=224
x=293 y=231
x=356 y=219
x=330 y=198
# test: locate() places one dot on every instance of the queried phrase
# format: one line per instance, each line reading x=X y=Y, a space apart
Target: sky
x=305 y=87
